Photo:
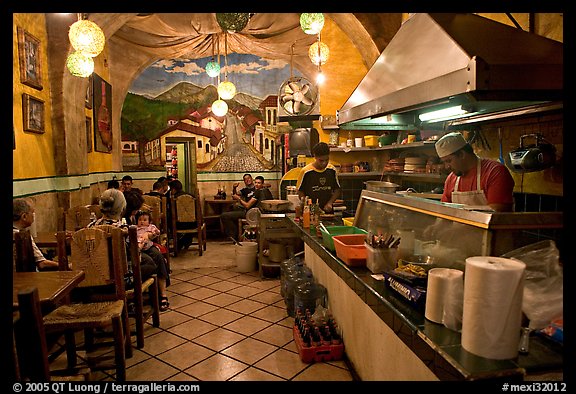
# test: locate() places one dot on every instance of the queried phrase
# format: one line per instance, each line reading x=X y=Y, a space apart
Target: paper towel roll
x=440 y=283
x=492 y=314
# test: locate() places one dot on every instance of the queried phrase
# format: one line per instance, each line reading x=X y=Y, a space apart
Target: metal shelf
x=413 y=145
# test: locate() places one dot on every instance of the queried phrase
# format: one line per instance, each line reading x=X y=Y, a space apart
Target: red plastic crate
x=317 y=353
x=351 y=249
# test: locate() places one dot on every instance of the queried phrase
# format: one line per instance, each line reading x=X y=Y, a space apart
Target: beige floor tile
x=185 y=355
x=249 y=350
x=255 y=375
x=267 y=297
x=197 y=309
x=226 y=274
x=223 y=285
x=323 y=372
x=172 y=318
x=244 y=279
x=244 y=291
x=161 y=342
x=219 y=339
x=193 y=328
x=202 y=293
x=185 y=275
x=205 y=280
x=182 y=377
x=137 y=357
x=216 y=368
x=270 y=313
x=288 y=321
x=247 y=325
x=282 y=363
x=150 y=370
x=275 y=334
x=221 y=317
x=246 y=306
x=181 y=287
x=222 y=299
x=266 y=284
x=178 y=301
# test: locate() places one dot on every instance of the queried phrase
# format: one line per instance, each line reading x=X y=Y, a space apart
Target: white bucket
x=246 y=256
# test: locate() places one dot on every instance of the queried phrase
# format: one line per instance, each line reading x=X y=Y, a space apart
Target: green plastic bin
x=338 y=230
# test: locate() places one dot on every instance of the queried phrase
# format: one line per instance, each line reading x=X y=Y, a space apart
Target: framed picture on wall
x=88 y=134
x=29 y=58
x=89 y=93
x=102 y=115
x=32 y=113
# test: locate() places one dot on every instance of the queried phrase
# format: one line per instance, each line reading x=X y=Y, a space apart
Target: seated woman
x=113 y=207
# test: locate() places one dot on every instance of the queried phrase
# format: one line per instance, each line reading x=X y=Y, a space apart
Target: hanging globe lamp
x=80 y=65
x=219 y=107
x=233 y=22
x=318 y=53
x=312 y=23
x=212 y=69
x=226 y=90
x=87 y=37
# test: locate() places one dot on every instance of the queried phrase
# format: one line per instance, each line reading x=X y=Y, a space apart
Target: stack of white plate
x=415 y=164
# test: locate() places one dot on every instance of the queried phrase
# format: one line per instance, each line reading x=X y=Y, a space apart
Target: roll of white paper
x=440 y=282
x=492 y=309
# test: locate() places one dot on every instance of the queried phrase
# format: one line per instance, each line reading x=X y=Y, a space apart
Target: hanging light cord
x=226 y=56
x=291 y=58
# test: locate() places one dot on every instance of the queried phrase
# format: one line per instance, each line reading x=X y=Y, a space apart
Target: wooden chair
x=159 y=212
x=77 y=217
x=102 y=303
x=142 y=310
x=31 y=351
x=23 y=252
x=144 y=306
x=187 y=212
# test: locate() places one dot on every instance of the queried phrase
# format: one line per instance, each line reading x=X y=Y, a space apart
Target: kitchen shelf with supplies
x=412 y=145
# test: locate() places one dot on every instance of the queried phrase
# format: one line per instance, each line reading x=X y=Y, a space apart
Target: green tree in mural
x=143 y=119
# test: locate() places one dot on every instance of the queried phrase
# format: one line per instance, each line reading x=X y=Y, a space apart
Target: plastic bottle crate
x=317 y=353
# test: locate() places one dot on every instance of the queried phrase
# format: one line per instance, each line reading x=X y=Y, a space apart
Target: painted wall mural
x=174 y=98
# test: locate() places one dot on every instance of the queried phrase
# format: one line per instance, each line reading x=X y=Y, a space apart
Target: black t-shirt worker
x=319 y=180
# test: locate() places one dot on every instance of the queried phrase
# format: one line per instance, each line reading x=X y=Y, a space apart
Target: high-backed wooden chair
x=101 y=303
x=77 y=217
x=159 y=212
x=23 y=251
x=187 y=219
x=143 y=295
x=31 y=350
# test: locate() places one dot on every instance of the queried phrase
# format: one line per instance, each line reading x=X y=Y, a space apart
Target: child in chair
x=146 y=233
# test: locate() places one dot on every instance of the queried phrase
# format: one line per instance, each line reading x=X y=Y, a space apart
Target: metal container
x=382 y=187
x=275 y=205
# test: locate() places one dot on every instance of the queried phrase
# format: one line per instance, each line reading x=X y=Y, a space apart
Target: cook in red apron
x=474 y=197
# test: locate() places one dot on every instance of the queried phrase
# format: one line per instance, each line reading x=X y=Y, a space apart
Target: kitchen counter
x=407 y=338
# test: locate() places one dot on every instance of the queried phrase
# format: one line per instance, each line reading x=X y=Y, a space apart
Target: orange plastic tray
x=317 y=353
x=351 y=249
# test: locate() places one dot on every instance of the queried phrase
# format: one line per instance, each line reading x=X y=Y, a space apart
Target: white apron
x=474 y=197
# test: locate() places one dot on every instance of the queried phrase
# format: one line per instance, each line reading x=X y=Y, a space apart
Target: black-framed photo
x=29 y=52
x=88 y=134
x=33 y=113
x=89 y=93
x=102 y=115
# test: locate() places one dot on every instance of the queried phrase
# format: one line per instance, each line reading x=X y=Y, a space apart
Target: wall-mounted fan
x=297 y=96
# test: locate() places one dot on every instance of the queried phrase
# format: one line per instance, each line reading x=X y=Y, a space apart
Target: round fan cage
x=297 y=96
x=253 y=216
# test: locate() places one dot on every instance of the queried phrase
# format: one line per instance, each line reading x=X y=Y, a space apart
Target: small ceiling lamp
x=80 y=65
x=213 y=67
x=233 y=22
x=86 y=37
x=226 y=89
x=318 y=52
x=312 y=23
x=219 y=107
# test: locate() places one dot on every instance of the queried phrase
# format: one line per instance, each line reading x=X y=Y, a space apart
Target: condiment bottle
x=349 y=141
x=306 y=214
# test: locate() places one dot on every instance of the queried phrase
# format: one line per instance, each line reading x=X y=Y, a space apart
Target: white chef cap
x=449 y=144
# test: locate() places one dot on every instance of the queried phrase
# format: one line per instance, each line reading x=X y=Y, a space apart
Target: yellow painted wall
x=34 y=153
x=344 y=70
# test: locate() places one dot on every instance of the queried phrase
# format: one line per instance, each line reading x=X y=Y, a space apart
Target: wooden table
x=53 y=286
x=46 y=239
x=213 y=208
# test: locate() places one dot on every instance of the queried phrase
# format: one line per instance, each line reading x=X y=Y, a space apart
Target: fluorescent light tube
x=442 y=114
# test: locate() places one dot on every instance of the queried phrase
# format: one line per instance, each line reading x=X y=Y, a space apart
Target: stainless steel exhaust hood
x=436 y=61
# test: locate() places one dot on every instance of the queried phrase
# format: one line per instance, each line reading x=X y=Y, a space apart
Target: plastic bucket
x=246 y=256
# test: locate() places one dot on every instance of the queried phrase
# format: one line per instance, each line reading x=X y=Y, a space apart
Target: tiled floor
x=223 y=325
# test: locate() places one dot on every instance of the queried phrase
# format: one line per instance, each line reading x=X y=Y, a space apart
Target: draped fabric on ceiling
x=190 y=36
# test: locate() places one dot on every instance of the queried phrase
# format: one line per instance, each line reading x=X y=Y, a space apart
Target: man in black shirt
x=318 y=180
x=230 y=219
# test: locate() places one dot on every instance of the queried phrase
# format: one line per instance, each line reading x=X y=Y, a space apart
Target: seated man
x=230 y=219
x=23 y=217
